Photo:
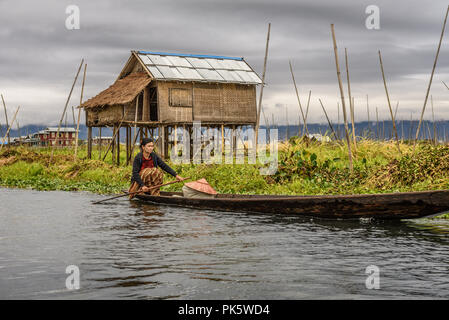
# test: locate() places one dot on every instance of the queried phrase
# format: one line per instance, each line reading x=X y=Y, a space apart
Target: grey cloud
x=39 y=55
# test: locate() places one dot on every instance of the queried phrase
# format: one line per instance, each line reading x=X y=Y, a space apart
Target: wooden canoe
x=404 y=205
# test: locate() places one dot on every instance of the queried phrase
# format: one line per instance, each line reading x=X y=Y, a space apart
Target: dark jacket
x=137 y=164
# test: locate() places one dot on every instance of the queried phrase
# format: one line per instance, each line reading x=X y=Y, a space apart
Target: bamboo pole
x=265 y=118
x=73 y=115
x=299 y=101
x=367 y=112
x=389 y=104
x=342 y=98
x=256 y=134
x=135 y=129
x=9 y=128
x=140 y=191
x=307 y=109
x=431 y=77
x=433 y=120
x=445 y=85
x=6 y=116
x=377 y=124
x=353 y=128
x=18 y=132
x=222 y=139
x=338 y=120
x=351 y=106
x=328 y=121
x=396 y=110
x=286 y=121
x=79 y=114
x=114 y=137
x=99 y=144
x=65 y=108
x=402 y=134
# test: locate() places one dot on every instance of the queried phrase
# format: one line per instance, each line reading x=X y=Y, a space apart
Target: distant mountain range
x=383 y=130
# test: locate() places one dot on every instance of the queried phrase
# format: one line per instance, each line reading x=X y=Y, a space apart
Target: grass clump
x=304 y=168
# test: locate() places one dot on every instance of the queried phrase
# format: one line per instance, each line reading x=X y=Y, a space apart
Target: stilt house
x=158 y=92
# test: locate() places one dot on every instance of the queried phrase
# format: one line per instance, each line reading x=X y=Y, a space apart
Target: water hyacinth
x=304 y=168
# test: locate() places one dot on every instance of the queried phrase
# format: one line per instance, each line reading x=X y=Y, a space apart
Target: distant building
x=318 y=137
x=47 y=137
x=103 y=140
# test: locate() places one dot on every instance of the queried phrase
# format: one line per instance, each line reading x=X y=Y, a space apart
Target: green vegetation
x=304 y=167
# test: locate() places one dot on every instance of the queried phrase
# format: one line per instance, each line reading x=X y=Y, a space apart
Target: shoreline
x=304 y=168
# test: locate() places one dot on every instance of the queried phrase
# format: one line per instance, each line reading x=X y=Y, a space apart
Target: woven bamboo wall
x=239 y=103
x=207 y=102
x=181 y=93
x=105 y=116
x=215 y=102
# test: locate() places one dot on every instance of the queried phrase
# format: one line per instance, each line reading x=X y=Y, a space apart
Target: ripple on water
x=133 y=250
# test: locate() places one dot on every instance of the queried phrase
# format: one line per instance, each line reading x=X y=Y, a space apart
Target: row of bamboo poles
x=350 y=135
x=352 y=141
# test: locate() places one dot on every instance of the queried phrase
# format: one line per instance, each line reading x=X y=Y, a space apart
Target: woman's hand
x=145 y=189
x=179 y=178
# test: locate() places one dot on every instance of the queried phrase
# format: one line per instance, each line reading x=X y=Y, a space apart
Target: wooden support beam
x=114 y=135
x=99 y=145
x=118 y=146
x=89 y=142
x=127 y=145
x=146 y=106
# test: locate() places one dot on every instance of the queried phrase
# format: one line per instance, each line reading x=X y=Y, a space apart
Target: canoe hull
x=407 y=205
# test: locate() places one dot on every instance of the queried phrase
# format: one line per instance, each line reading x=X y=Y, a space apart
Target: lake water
x=133 y=250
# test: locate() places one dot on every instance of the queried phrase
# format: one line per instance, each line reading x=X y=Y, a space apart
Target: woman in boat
x=146 y=170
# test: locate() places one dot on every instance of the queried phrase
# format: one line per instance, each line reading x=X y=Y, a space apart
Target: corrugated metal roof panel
x=199 y=63
x=155 y=72
x=190 y=73
x=179 y=61
x=209 y=74
x=198 y=68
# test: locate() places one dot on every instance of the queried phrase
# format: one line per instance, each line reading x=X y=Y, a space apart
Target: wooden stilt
x=118 y=146
x=99 y=145
x=222 y=139
x=113 y=148
x=89 y=142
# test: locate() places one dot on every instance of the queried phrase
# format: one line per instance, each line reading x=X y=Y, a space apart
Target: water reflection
x=138 y=250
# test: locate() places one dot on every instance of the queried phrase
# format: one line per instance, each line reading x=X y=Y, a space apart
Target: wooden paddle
x=140 y=191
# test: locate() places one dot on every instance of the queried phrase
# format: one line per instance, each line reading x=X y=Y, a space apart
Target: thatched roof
x=122 y=91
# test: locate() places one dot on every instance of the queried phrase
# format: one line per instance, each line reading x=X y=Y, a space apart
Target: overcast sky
x=39 y=56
